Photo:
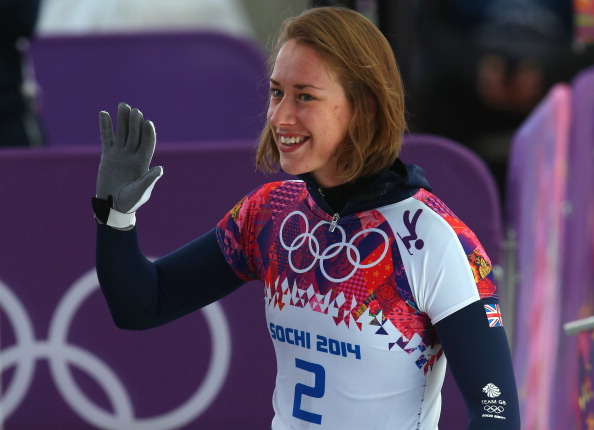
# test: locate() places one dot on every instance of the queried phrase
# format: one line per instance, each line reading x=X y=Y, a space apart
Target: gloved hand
x=124 y=182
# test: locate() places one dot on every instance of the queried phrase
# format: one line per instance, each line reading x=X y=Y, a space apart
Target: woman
x=369 y=277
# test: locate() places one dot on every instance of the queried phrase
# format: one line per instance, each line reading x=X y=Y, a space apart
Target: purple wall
x=53 y=317
x=197 y=86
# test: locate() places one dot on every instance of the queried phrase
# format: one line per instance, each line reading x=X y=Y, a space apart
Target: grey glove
x=124 y=179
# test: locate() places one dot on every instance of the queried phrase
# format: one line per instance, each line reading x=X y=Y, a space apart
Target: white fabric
x=147 y=193
x=101 y=16
x=351 y=313
x=441 y=281
x=121 y=220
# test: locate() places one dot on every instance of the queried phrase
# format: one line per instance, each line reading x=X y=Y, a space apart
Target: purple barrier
x=571 y=390
x=63 y=362
x=585 y=373
x=463 y=181
x=537 y=189
x=201 y=86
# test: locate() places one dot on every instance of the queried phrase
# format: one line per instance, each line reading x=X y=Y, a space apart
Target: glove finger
x=106 y=130
x=148 y=139
x=134 y=130
x=135 y=194
x=123 y=118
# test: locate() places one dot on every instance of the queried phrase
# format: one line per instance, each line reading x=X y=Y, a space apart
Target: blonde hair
x=363 y=61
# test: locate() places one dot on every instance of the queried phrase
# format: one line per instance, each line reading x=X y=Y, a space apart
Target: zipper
x=334 y=221
x=335 y=217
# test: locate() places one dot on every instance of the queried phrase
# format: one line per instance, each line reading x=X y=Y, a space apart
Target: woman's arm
x=142 y=294
x=480 y=361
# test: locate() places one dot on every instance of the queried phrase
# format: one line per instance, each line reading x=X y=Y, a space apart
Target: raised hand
x=124 y=180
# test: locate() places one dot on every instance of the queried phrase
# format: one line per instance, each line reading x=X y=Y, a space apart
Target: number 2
x=317 y=391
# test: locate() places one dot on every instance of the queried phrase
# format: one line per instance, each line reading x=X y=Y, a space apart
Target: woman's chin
x=291 y=170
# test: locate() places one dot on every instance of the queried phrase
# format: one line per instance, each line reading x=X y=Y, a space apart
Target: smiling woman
x=369 y=279
x=338 y=43
x=308 y=114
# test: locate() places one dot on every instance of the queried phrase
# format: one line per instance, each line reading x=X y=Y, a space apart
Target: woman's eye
x=305 y=97
x=275 y=92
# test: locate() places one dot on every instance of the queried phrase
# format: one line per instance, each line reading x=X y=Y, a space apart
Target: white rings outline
x=60 y=354
x=314 y=247
x=492 y=409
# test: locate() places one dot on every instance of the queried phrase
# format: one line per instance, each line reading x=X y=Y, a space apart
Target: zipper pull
x=334 y=221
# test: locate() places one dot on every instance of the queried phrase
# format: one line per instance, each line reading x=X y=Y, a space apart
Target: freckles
x=340 y=109
x=337 y=111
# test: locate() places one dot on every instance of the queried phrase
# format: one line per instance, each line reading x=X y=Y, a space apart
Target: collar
x=392 y=185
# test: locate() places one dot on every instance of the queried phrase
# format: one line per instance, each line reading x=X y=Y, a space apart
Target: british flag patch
x=494 y=315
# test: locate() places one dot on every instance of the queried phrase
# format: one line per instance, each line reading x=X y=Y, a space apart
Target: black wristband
x=101 y=209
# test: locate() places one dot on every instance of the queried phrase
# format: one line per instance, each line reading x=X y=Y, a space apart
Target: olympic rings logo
x=352 y=253
x=60 y=354
x=492 y=409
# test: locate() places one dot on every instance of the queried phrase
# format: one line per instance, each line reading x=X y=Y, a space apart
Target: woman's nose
x=281 y=113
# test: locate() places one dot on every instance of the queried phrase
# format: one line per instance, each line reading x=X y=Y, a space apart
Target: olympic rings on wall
x=60 y=354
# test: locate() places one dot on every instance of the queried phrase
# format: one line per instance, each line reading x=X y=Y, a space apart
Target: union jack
x=494 y=315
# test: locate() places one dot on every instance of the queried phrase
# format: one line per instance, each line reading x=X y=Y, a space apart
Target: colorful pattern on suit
x=341 y=304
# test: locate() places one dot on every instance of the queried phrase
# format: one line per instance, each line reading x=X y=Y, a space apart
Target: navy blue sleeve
x=142 y=294
x=480 y=361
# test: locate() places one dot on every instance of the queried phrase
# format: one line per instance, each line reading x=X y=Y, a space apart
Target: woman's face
x=308 y=113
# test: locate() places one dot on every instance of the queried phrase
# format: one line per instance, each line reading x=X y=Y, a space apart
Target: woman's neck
x=339 y=195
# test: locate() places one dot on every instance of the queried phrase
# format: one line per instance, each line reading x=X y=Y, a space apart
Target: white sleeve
x=440 y=276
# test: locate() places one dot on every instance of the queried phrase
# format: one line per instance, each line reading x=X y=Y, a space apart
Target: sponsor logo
x=411 y=226
x=491 y=390
x=493 y=409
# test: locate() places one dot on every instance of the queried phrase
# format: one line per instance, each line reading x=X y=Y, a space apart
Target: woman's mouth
x=292 y=140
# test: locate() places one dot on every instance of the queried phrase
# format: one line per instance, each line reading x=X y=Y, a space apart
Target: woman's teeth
x=291 y=140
